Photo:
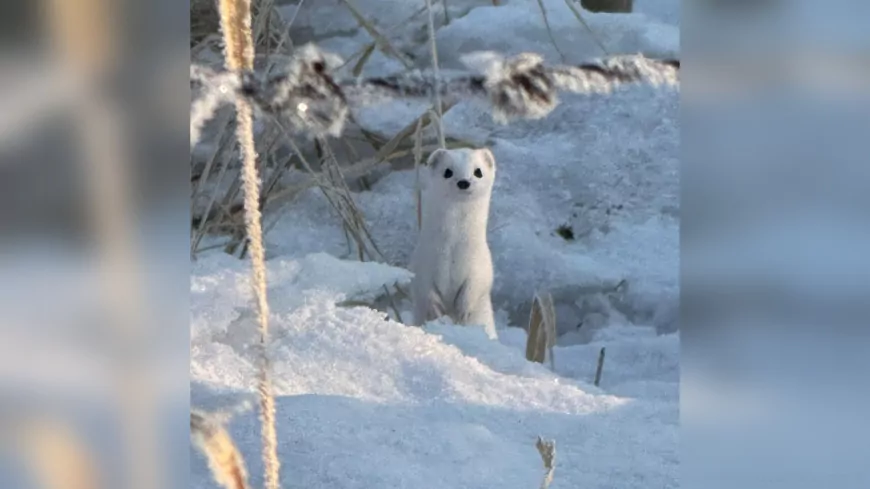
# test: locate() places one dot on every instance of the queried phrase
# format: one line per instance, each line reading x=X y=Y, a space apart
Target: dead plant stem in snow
x=239 y=56
x=437 y=92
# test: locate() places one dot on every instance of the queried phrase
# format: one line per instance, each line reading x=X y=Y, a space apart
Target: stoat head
x=460 y=174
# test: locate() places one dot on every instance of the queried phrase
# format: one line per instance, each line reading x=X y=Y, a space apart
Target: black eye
x=448 y=173
x=478 y=173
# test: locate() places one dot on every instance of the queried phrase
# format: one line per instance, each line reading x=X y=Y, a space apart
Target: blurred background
x=774 y=268
x=93 y=252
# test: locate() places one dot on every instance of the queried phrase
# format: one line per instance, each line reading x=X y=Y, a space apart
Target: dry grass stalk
x=334 y=187
x=405 y=133
x=437 y=92
x=542 y=328
x=550 y=328
x=355 y=221
x=547 y=449
x=381 y=40
x=235 y=20
x=393 y=304
x=234 y=212
x=550 y=30
x=204 y=21
x=367 y=50
x=600 y=367
x=582 y=21
x=239 y=55
x=262 y=14
x=534 y=352
x=225 y=462
x=418 y=158
x=361 y=63
x=226 y=142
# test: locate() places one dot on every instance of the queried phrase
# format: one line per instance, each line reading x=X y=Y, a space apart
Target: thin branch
x=382 y=41
x=437 y=75
x=239 y=57
x=585 y=24
x=226 y=463
x=600 y=367
x=550 y=30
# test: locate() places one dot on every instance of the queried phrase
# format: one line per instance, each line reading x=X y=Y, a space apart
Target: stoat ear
x=436 y=158
x=488 y=157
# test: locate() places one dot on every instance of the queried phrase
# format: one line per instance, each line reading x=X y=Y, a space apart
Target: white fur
x=452 y=264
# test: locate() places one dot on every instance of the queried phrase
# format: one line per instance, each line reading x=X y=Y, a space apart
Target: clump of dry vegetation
x=225 y=461
x=238 y=40
x=542 y=329
x=547 y=449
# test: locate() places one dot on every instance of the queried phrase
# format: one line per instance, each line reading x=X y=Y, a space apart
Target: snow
x=508 y=29
x=365 y=401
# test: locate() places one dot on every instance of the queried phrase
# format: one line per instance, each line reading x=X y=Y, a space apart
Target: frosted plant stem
x=225 y=461
x=239 y=56
x=586 y=25
x=418 y=158
x=253 y=228
x=435 y=71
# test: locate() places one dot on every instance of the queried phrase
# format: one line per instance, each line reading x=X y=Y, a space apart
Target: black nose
x=463 y=184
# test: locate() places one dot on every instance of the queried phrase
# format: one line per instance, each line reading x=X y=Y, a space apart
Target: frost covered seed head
x=518 y=88
x=604 y=75
x=216 y=89
x=306 y=95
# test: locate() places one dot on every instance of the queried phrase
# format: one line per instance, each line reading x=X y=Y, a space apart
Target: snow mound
x=363 y=401
x=221 y=311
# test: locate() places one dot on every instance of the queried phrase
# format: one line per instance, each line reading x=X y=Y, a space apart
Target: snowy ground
x=364 y=401
x=367 y=402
